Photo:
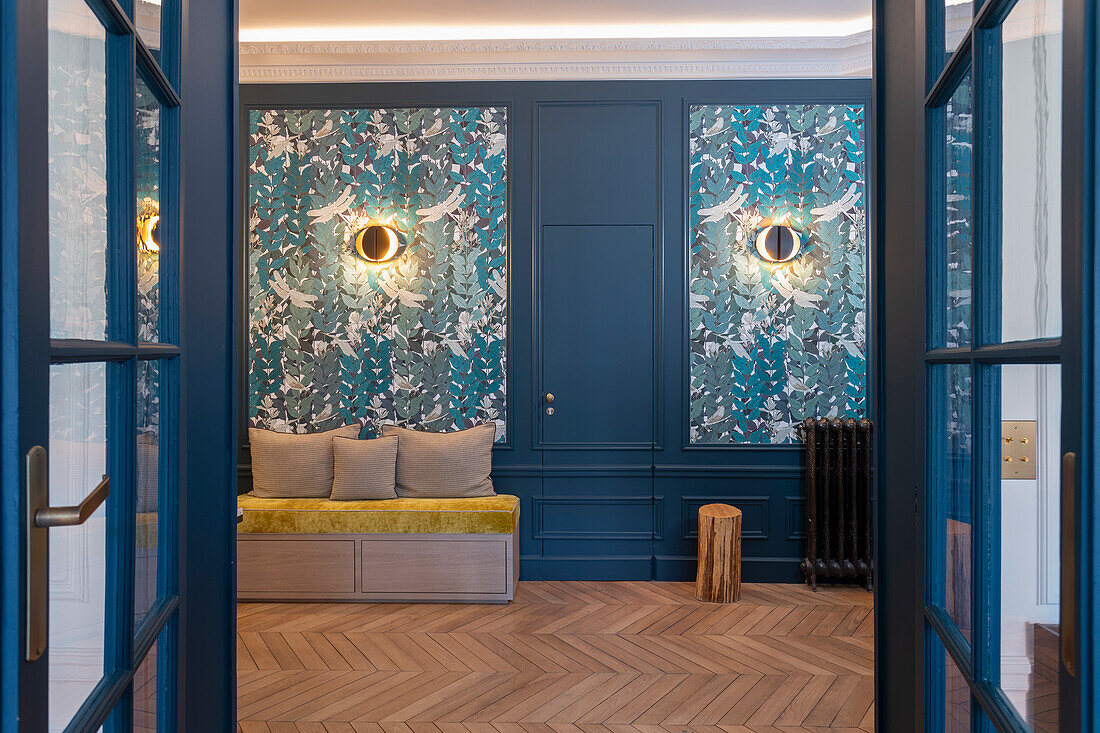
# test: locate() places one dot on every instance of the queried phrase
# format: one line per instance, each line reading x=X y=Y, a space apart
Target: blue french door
x=90 y=365
x=1005 y=325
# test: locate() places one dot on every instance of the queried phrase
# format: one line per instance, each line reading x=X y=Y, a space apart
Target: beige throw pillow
x=293 y=466
x=364 y=469
x=444 y=465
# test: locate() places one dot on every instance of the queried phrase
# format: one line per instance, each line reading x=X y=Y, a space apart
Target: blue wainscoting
x=602 y=166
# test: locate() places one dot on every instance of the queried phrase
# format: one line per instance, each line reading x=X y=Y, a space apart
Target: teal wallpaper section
x=419 y=341
x=771 y=345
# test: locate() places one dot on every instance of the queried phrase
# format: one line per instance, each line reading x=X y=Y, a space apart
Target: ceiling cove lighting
x=376 y=243
x=773 y=29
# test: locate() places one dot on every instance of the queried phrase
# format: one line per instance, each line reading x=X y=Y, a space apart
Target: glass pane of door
x=957 y=276
x=1031 y=171
x=147 y=21
x=147 y=525
x=145 y=694
x=957 y=15
x=148 y=157
x=77 y=171
x=1031 y=416
x=956 y=698
x=78 y=614
x=953 y=438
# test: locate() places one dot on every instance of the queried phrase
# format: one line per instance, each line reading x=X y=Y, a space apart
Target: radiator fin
x=838 y=501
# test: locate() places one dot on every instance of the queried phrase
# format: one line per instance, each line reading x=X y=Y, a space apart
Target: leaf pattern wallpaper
x=419 y=341
x=771 y=345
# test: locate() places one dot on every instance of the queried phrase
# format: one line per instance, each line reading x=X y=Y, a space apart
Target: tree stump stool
x=718 y=575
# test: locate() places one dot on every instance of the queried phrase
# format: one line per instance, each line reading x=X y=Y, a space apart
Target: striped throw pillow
x=364 y=469
x=444 y=465
x=294 y=466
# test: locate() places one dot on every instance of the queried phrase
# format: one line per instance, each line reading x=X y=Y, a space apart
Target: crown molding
x=497 y=72
x=545 y=59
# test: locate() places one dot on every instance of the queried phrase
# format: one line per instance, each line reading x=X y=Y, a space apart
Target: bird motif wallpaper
x=771 y=345
x=419 y=341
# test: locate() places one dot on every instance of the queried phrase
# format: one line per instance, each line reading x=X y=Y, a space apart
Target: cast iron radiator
x=838 y=501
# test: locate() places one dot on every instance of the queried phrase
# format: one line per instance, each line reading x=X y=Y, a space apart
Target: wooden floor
x=563 y=657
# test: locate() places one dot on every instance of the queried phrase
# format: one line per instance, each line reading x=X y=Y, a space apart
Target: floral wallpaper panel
x=419 y=341
x=772 y=345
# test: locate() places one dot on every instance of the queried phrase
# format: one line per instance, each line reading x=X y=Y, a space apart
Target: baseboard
x=639 y=567
x=586 y=567
x=753 y=569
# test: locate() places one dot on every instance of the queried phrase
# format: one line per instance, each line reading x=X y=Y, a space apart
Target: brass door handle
x=39 y=518
x=549 y=398
x=70 y=516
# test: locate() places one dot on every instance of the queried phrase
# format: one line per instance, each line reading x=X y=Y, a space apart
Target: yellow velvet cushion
x=483 y=515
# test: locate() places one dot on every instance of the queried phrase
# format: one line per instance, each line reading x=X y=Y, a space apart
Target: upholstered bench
x=460 y=550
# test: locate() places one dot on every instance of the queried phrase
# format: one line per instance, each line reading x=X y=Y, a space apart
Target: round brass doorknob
x=549 y=398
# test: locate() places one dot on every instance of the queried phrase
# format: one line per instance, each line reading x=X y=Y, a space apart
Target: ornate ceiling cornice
x=555 y=59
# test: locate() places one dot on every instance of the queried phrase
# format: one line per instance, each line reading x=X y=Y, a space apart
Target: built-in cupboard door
x=595 y=290
x=1004 y=392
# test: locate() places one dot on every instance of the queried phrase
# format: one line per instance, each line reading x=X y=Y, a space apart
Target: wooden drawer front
x=307 y=566
x=435 y=566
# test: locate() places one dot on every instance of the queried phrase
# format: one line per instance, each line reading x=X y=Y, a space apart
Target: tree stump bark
x=718 y=575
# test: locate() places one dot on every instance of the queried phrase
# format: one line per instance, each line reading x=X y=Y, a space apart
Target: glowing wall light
x=376 y=243
x=778 y=243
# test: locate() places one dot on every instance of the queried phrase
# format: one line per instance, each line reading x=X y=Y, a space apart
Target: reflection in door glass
x=147 y=538
x=78 y=576
x=958 y=278
x=149 y=231
x=1031 y=414
x=77 y=171
x=953 y=695
x=952 y=386
x=956 y=698
x=145 y=694
x=957 y=15
x=147 y=15
x=1031 y=175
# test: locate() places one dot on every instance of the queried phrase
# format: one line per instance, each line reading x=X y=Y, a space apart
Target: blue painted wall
x=602 y=508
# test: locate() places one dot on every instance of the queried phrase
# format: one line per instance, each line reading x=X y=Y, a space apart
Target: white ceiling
x=359 y=40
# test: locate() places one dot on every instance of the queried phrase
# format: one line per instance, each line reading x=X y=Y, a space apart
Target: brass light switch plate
x=1019 y=439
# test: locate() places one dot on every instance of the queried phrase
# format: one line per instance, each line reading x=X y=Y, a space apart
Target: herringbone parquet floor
x=564 y=657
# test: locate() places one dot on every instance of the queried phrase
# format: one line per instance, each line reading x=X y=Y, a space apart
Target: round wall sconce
x=778 y=243
x=148 y=226
x=376 y=243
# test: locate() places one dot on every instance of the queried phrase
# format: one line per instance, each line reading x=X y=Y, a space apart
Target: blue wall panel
x=611 y=513
x=598 y=163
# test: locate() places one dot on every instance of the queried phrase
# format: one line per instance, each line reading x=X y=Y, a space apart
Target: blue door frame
x=914 y=80
x=194 y=638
